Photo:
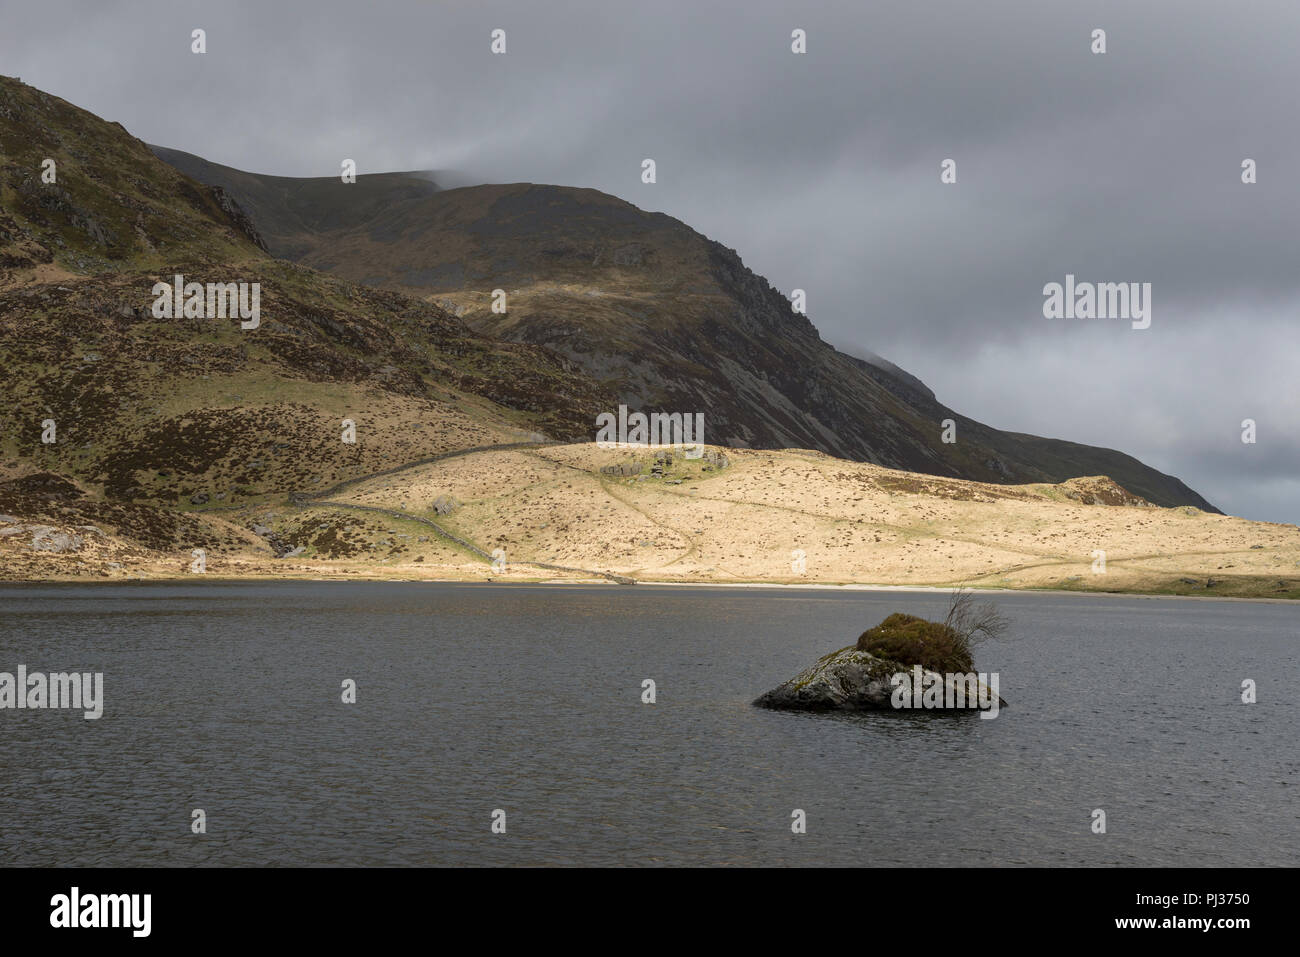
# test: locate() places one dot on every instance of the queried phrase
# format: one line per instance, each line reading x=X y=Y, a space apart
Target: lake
x=527 y=699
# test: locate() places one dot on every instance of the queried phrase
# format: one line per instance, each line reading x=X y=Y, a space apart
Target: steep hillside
x=111 y=204
x=199 y=412
x=294 y=212
x=667 y=318
x=167 y=409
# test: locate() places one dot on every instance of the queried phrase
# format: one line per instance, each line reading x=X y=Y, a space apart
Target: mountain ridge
x=664 y=316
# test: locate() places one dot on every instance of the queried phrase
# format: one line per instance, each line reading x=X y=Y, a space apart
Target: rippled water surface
x=226 y=697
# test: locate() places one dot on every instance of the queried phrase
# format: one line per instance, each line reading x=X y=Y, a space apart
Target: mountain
x=664 y=317
x=295 y=212
x=185 y=411
x=129 y=440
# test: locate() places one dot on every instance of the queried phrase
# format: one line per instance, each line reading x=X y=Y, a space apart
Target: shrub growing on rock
x=944 y=646
x=909 y=640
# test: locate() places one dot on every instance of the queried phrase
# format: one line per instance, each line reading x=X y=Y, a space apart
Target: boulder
x=844 y=680
x=48 y=539
x=851 y=680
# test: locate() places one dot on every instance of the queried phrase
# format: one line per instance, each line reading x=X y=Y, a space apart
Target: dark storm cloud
x=822 y=170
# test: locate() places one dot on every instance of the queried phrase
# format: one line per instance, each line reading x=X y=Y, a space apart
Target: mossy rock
x=861 y=677
x=910 y=640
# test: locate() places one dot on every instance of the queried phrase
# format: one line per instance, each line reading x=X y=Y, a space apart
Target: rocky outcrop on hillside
x=237 y=216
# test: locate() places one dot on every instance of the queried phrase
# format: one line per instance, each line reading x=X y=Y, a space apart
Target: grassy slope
x=112 y=206
x=855 y=523
x=161 y=409
x=159 y=414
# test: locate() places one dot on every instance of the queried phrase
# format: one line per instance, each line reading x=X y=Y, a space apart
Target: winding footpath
x=316 y=500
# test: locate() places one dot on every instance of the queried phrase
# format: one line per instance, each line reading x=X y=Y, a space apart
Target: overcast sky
x=823 y=169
